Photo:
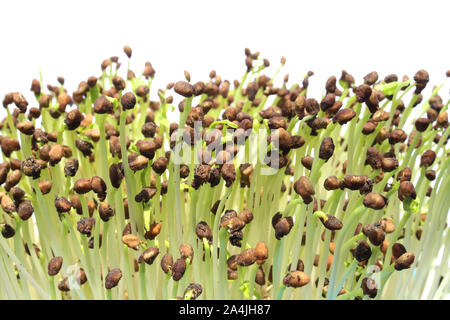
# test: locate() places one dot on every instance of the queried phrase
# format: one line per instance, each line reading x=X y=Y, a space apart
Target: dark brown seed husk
x=105 y=211
x=421 y=78
x=362 y=251
x=147 y=148
x=344 y=115
x=184 y=89
x=13 y=179
x=389 y=164
x=397 y=136
x=17 y=193
x=232 y=262
x=98 y=185
x=332 y=183
x=371 y=78
x=36 y=87
x=260 y=277
x=380 y=115
x=307 y=162
x=430 y=175
x=80 y=276
x=184 y=171
x=202 y=230
x=404 y=175
x=326 y=149
x=154 y=230
x=25 y=210
x=82 y=185
x=369 y=287
x=71 y=167
x=397 y=250
x=160 y=165
x=92 y=81
x=118 y=83
x=406 y=189
x=325 y=281
x=296 y=279
x=236 y=238
x=31 y=168
x=312 y=106
x=404 y=261
x=178 y=269
x=149 y=255
x=233 y=224
x=328 y=101
x=391 y=78
x=374 y=201
x=330 y=85
x=388 y=225
x=76 y=203
x=246 y=258
x=128 y=101
x=376 y=235
x=201 y=175
x=261 y=251
x=137 y=162
x=54 y=266
x=149 y=129
x=276 y=217
x=7 y=230
x=85 y=226
x=127 y=50
x=354 y=182
x=26 y=127
x=45 y=186
x=194 y=289
x=167 y=262
x=332 y=223
x=73 y=119
x=304 y=188
x=91 y=242
x=228 y=173
x=246 y=216
x=300 y=265
x=187 y=252
x=131 y=240
x=422 y=124
x=9 y=145
x=283 y=227
x=374 y=158
x=84 y=146
x=112 y=278
x=115 y=175
x=52 y=136
x=145 y=195
x=102 y=105
x=63 y=285
x=427 y=158
x=297 y=142
x=363 y=93
x=56 y=153
x=62 y=204
x=277 y=122
x=215 y=207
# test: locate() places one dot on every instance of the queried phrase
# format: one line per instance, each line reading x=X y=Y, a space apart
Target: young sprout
x=223 y=188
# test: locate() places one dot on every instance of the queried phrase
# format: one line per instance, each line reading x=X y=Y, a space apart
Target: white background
x=71 y=38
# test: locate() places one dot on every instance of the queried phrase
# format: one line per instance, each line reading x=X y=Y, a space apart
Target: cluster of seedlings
x=96 y=205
